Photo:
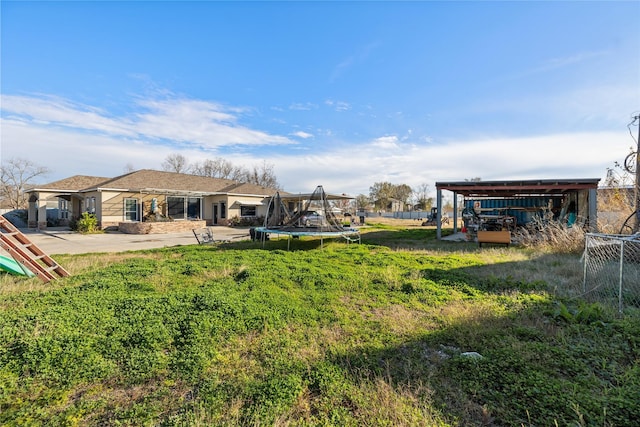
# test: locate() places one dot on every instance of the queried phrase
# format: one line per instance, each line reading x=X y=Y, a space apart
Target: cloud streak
x=194 y=123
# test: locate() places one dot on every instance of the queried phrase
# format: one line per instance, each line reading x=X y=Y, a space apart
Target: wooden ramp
x=27 y=253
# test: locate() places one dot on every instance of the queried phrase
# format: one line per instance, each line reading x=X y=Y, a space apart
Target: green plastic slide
x=12 y=266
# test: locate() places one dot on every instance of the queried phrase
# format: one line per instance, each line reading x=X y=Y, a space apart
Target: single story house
x=148 y=196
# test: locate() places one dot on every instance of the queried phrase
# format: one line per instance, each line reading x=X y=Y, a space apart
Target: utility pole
x=636 y=119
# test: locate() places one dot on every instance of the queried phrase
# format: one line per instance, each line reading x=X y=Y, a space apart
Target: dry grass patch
x=383 y=403
x=400 y=320
x=77 y=264
x=471 y=316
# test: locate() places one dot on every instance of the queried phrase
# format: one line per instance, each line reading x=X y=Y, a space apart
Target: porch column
x=32 y=213
x=42 y=214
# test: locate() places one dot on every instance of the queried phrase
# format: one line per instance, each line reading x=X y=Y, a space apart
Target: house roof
x=249 y=189
x=147 y=180
x=512 y=188
x=72 y=184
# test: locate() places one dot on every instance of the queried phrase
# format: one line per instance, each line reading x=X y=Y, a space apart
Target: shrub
x=87 y=224
x=246 y=221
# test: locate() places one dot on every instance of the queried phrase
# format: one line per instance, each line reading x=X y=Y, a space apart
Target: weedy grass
x=382 y=333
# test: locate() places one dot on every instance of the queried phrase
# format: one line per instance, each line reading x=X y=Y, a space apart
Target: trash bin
x=258 y=235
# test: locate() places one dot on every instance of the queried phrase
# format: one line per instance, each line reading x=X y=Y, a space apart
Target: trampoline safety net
x=313 y=214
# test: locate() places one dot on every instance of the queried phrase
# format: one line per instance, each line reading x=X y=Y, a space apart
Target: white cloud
x=338 y=105
x=297 y=106
x=49 y=110
x=385 y=142
x=302 y=134
x=195 y=123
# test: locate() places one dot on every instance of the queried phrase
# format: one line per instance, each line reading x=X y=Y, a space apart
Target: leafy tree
x=381 y=193
x=403 y=193
x=176 y=163
x=16 y=176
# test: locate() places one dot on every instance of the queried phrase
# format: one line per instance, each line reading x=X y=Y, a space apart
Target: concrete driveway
x=62 y=241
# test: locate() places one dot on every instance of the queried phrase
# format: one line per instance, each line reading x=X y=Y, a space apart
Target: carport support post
x=593 y=210
x=439 y=206
x=455 y=212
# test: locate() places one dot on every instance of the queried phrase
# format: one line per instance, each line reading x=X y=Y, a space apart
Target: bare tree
x=263 y=175
x=176 y=163
x=362 y=202
x=421 y=195
x=128 y=168
x=16 y=176
x=217 y=168
x=345 y=205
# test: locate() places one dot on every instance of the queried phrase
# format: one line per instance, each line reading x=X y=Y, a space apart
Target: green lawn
x=383 y=333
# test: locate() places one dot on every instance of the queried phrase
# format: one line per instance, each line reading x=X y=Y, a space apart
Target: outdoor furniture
x=497 y=237
x=204 y=235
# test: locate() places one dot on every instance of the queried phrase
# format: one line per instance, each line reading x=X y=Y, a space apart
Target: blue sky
x=342 y=94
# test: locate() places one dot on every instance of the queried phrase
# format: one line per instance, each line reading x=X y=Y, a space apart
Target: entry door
x=215 y=213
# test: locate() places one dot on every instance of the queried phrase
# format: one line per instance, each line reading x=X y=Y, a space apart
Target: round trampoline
x=310 y=215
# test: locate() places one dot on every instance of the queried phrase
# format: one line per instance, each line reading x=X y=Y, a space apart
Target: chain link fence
x=612 y=270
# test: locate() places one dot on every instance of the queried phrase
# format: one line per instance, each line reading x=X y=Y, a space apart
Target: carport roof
x=515 y=188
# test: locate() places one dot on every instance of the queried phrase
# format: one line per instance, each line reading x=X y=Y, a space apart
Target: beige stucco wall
x=234 y=208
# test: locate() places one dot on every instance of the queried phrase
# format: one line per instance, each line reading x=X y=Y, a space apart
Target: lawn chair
x=204 y=235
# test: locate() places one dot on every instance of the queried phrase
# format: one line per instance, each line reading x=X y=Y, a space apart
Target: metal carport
x=517 y=188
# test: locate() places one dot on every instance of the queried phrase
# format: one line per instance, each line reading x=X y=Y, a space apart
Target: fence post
x=587 y=239
x=621 y=277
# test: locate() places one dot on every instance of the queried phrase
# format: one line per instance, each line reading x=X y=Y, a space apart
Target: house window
x=63 y=208
x=131 y=209
x=193 y=208
x=90 y=204
x=175 y=207
x=247 y=211
x=184 y=207
x=223 y=210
